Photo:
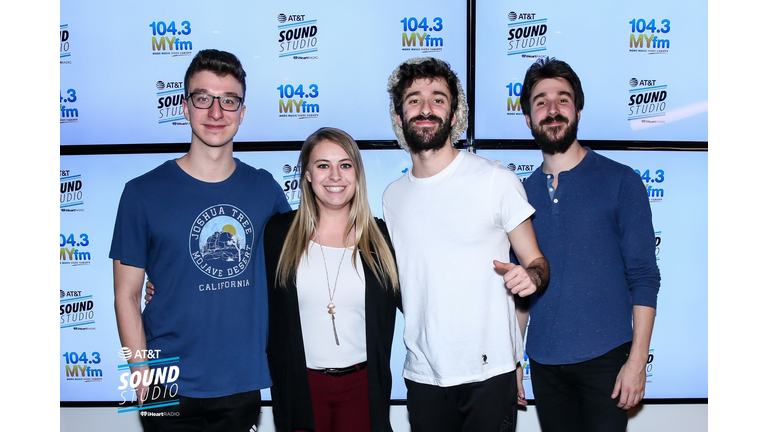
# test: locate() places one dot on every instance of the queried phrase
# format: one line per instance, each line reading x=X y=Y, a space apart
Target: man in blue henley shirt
x=590 y=329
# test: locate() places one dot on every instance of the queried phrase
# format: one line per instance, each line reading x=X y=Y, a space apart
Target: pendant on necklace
x=333 y=320
x=331 y=308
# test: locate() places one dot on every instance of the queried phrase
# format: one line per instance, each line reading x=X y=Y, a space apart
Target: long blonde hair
x=369 y=240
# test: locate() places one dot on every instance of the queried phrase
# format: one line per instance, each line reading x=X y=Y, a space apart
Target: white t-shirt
x=460 y=323
x=320 y=346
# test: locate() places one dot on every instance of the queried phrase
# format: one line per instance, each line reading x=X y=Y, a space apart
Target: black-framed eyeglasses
x=205 y=101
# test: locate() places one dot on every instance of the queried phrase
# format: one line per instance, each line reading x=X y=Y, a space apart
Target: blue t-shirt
x=597 y=233
x=201 y=246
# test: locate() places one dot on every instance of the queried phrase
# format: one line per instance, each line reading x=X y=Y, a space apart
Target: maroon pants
x=340 y=404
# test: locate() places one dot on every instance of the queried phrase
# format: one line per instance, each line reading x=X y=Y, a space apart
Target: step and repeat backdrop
x=677 y=190
x=309 y=65
x=643 y=68
x=90 y=348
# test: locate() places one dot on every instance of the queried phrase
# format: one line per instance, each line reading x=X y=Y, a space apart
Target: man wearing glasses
x=194 y=226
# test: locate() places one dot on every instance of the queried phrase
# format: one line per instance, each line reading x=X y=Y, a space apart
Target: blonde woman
x=333 y=293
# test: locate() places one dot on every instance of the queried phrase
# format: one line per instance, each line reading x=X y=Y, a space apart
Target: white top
x=316 y=327
x=460 y=324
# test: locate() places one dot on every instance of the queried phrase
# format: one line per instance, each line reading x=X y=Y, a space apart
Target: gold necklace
x=331 y=307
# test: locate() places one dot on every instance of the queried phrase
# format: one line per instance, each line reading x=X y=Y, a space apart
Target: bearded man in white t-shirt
x=452 y=218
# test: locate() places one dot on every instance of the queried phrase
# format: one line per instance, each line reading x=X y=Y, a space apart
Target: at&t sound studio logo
x=170 y=96
x=64 y=45
x=292 y=184
x=70 y=192
x=523 y=171
x=76 y=311
x=297 y=37
x=526 y=34
x=649 y=368
x=647 y=101
x=157 y=375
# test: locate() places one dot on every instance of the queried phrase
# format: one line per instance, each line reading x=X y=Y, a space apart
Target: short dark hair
x=550 y=68
x=429 y=68
x=220 y=63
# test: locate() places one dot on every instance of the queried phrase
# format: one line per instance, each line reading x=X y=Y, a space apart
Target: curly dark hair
x=430 y=68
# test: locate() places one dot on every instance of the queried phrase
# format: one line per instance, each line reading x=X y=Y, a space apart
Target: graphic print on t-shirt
x=221 y=241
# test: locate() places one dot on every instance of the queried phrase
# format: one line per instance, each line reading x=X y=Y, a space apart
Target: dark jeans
x=486 y=406
x=236 y=413
x=577 y=397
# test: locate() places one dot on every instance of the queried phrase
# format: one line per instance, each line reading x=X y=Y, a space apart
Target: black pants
x=486 y=406
x=577 y=397
x=236 y=413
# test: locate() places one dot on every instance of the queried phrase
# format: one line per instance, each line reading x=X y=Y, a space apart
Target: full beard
x=548 y=141
x=421 y=140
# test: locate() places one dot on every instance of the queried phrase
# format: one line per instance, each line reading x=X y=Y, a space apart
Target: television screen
x=90 y=191
x=643 y=69
x=676 y=182
x=312 y=64
x=309 y=64
x=91 y=188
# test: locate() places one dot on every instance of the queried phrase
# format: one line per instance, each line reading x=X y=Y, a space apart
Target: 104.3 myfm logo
x=69 y=114
x=167 y=38
x=79 y=366
x=653 y=181
x=514 y=90
x=647 y=37
x=296 y=102
x=71 y=252
x=422 y=34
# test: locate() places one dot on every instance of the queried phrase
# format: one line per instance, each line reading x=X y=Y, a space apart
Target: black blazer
x=291 y=403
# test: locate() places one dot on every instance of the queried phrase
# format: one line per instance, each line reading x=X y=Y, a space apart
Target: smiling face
x=427 y=117
x=554 y=119
x=332 y=176
x=213 y=127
